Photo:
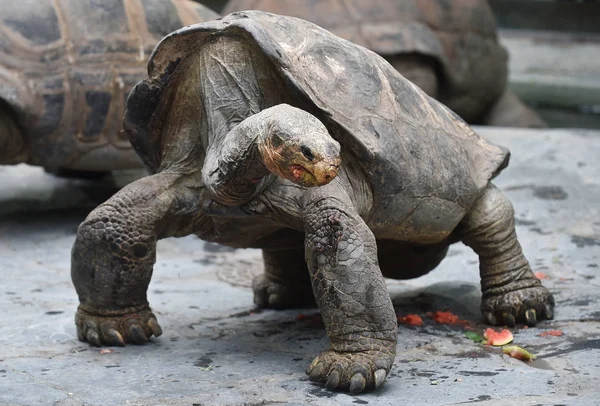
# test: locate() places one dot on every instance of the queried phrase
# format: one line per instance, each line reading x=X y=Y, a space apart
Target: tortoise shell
x=67 y=66
x=421 y=159
x=458 y=35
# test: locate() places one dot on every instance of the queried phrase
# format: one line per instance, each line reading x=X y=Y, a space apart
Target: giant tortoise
x=66 y=68
x=448 y=48
x=267 y=131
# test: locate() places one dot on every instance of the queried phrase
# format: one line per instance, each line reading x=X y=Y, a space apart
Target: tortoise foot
x=352 y=371
x=528 y=306
x=116 y=330
x=275 y=295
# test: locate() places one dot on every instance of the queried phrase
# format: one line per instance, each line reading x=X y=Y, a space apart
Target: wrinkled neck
x=233 y=170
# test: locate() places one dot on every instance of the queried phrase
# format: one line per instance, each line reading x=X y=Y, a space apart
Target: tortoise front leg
x=115 y=250
x=511 y=291
x=350 y=291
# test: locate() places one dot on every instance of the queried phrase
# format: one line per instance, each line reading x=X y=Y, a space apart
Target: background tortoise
x=66 y=68
x=238 y=119
x=448 y=48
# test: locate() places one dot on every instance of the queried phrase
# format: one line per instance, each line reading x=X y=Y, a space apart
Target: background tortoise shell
x=67 y=66
x=458 y=35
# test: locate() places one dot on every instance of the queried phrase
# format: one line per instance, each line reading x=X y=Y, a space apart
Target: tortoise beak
x=326 y=170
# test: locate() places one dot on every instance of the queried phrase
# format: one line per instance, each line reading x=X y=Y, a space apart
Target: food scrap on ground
x=553 y=333
x=105 y=351
x=447 y=318
x=541 y=275
x=444 y=317
x=411 y=320
x=312 y=318
x=474 y=336
x=518 y=353
x=496 y=338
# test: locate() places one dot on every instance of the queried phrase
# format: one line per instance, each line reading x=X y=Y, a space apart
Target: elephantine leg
x=13 y=145
x=285 y=282
x=511 y=292
x=341 y=253
x=510 y=111
x=115 y=250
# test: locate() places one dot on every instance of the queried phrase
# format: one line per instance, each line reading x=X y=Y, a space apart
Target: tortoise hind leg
x=510 y=111
x=511 y=291
x=285 y=282
x=14 y=148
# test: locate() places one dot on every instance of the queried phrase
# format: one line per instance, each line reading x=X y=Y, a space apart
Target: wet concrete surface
x=218 y=350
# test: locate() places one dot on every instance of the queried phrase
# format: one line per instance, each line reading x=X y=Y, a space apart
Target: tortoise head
x=298 y=147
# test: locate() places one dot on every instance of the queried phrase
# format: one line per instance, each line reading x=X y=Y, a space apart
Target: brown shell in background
x=66 y=68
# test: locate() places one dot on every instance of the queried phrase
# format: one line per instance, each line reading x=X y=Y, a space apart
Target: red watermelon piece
x=497 y=338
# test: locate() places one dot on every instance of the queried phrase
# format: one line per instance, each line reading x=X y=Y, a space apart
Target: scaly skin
x=511 y=292
x=115 y=251
x=341 y=254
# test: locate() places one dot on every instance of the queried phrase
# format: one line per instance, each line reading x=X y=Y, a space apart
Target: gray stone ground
x=217 y=350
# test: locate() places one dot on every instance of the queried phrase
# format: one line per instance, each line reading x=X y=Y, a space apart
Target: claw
x=357 y=383
x=93 y=338
x=380 y=376
x=334 y=380
x=312 y=365
x=548 y=312
x=115 y=338
x=530 y=317
x=509 y=319
x=490 y=318
x=155 y=327
x=315 y=375
x=89 y=325
x=138 y=334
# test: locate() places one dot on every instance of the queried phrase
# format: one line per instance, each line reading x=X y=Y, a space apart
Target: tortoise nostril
x=327 y=176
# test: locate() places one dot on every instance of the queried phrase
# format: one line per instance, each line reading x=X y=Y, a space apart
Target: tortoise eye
x=307 y=152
